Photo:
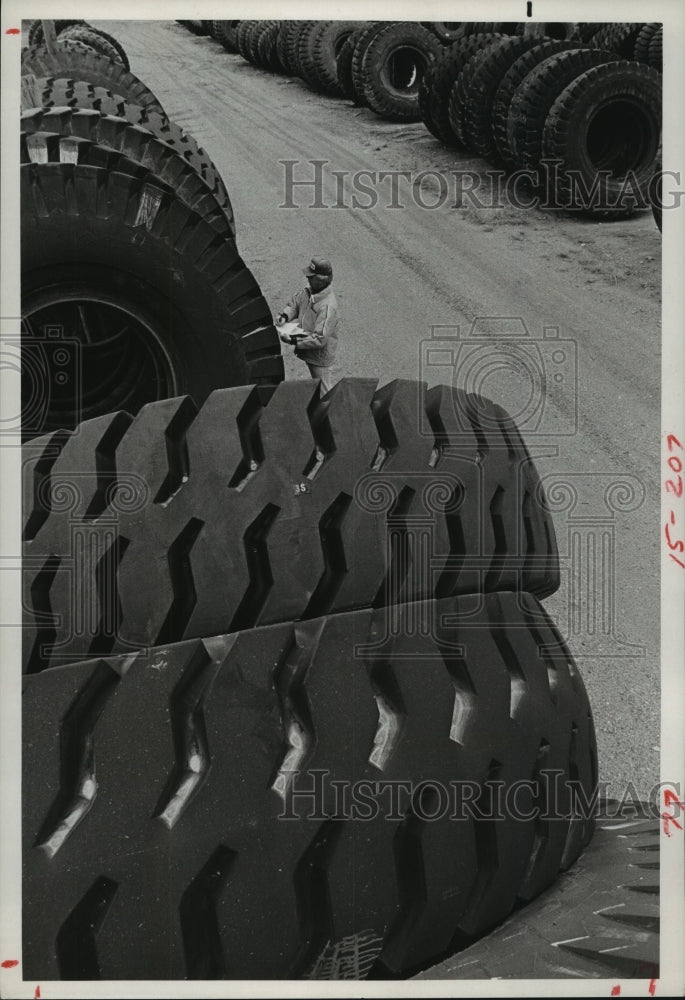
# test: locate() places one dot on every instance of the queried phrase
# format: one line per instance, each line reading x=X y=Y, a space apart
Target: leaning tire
x=533 y=101
x=392 y=67
x=442 y=76
x=150 y=298
x=294 y=507
x=344 y=64
x=37 y=36
x=327 y=43
x=178 y=767
x=305 y=53
x=514 y=78
x=475 y=93
x=228 y=35
x=608 y=120
x=72 y=60
x=242 y=37
x=77 y=136
x=94 y=40
x=619 y=38
x=361 y=44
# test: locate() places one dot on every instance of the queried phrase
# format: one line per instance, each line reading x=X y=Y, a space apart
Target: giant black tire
x=77 y=96
x=344 y=64
x=363 y=39
x=476 y=89
x=586 y=30
x=282 y=46
x=77 y=136
x=267 y=48
x=605 y=130
x=242 y=37
x=618 y=38
x=150 y=300
x=655 y=51
x=123 y=58
x=228 y=35
x=513 y=79
x=442 y=76
x=72 y=60
x=446 y=31
x=219 y=809
x=603 y=914
x=305 y=52
x=392 y=67
x=254 y=38
x=269 y=508
x=641 y=47
x=326 y=45
x=37 y=36
x=94 y=40
x=293 y=44
x=533 y=100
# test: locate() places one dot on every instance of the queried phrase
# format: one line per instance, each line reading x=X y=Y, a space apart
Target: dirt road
x=400 y=271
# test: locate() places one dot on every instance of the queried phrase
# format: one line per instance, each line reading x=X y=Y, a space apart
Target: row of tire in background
x=487 y=88
x=91 y=126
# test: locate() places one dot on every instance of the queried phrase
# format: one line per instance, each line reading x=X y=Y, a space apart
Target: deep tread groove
x=499 y=555
x=465 y=696
x=177 y=452
x=182 y=583
x=517 y=679
x=46 y=629
x=259 y=569
x=487 y=854
x=191 y=748
x=108 y=598
x=105 y=466
x=392 y=712
x=334 y=557
x=78 y=782
x=399 y=544
x=296 y=715
x=250 y=440
x=541 y=807
x=313 y=898
x=42 y=495
x=75 y=944
x=202 y=946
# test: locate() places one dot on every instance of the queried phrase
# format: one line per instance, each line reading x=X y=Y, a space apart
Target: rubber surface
x=81 y=97
x=262 y=509
x=94 y=40
x=154 y=791
x=442 y=77
x=601 y=919
x=73 y=61
x=380 y=94
x=511 y=81
x=326 y=45
x=565 y=137
x=474 y=93
x=90 y=137
x=363 y=39
x=133 y=240
x=533 y=100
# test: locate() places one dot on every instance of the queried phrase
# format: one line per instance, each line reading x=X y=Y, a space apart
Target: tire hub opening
x=403 y=70
x=621 y=138
x=84 y=356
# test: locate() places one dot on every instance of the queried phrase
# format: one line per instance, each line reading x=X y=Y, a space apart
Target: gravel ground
x=398 y=272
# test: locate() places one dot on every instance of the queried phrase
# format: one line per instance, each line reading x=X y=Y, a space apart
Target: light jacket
x=317 y=314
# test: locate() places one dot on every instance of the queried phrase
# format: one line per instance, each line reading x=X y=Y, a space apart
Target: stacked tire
x=284 y=588
x=93 y=131
x=580 y=120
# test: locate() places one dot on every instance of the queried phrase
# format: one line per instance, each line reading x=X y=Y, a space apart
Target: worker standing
x=315 y=310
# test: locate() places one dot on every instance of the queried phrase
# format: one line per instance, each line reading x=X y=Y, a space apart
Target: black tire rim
x=403 y=70
x=621 y=136
x=93 y=353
